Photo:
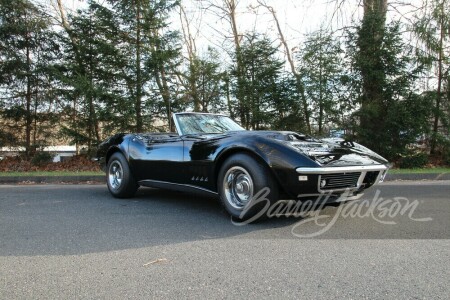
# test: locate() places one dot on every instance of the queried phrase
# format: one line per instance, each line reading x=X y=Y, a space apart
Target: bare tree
x=299 y=84
x=64 y=23
x=227 y=9
x=192 y=54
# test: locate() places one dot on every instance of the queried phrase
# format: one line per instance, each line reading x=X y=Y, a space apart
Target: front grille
x=339 y=180
x=370 y=178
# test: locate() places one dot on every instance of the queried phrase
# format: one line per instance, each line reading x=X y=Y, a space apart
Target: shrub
x=446 y=158
x=413 y=161
x=41 y=159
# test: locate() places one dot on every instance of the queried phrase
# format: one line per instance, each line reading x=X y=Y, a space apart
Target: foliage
x=257 y=87
x=117 y=66
x=413 y=161
x=320 y=61
x=41 y=158
x=432 y=29
x=77 y=163
x=446 y=157
x=391 y=114
x=204 y=83
x=27 y=45
x=112 y=78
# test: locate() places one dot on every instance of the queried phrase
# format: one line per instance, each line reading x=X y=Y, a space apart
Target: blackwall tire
x=119 y=179
x=246 y=187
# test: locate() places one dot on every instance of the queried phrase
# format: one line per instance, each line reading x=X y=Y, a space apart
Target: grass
x=94 y=173
x=51 y=173
x=420 y=171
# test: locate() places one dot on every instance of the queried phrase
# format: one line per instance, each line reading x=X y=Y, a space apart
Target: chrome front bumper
x=381 y=169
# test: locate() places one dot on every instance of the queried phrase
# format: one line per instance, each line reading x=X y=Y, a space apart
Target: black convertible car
x=212 y=154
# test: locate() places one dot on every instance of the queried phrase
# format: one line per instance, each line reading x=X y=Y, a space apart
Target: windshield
x=192 y=123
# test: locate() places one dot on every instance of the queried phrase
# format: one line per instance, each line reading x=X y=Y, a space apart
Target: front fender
x=116 y=143
x=281 y=159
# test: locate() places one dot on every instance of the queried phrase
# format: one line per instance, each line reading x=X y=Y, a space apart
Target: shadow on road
x=78 y=219
x=72 y=219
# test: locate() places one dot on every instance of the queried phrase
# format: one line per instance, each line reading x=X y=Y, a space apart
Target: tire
x=246 y=188
x=119 y=179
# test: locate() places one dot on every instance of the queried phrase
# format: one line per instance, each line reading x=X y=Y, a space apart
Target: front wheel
x=120 y=181
x=246 y=187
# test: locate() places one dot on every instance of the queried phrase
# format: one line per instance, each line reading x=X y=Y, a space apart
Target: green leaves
x=26 y=44
x=320 y=64
x=119 y=67
x=391 y=114
x=256 y=83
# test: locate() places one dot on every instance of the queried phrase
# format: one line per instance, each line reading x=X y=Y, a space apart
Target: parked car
x=212 y=154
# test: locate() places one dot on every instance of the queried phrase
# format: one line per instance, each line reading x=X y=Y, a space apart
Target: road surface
x=76 y=241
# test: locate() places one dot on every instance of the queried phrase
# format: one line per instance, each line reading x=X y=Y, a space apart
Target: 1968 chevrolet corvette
x=212 y=154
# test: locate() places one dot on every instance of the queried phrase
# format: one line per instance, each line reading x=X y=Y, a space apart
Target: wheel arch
x=127 y=185
x=111 y=151
x=222 y=157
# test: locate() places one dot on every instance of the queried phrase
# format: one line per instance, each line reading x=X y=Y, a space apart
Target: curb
x=101 y=178
x=52 y=179
x=417 y=177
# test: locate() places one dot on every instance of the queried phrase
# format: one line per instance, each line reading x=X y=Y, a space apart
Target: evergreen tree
x=26 y=45
x=320 y=64
x=258 y=85
x=152 y=54
x=92 y=78
x=204 y=83
x=433 y=31
x=399 y=115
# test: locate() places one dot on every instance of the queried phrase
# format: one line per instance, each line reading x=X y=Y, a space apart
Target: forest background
x=373 y=71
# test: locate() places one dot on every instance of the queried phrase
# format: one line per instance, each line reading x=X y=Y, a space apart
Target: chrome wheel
x=115 y=175
x=238 y=187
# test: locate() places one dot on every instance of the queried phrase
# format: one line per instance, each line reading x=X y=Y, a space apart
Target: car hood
x=331 y=152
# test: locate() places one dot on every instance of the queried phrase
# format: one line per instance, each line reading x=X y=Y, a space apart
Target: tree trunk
x=138 y=100
x=320 y=121
x=439 y=89
x=375 y=6
x=93 y=122
x=28 y=116
x=161 y=81
x=191 y=50
x=35 y=126
x=74 y=120
x=92 y=113
x=370 y=42
x=231 y=6
x=299 y=83
x=227 y=89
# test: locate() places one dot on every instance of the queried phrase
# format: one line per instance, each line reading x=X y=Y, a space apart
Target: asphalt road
x=76 y=241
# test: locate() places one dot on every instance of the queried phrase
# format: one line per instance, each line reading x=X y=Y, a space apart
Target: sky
x=297 y=18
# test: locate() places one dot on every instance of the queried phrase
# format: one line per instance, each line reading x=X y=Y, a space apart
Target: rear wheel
x=246 y=187
x=121 y=182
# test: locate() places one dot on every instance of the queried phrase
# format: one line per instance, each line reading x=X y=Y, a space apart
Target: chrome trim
x=331 y=170
x=238 y=187
x=353 y=188
x=340 y=197
x=177 y=126
x=382 y=169
x=173 y=186
x=115 y=175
